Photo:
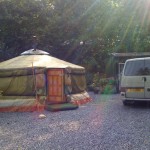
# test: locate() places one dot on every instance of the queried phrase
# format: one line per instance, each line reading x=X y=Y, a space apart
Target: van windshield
x=137 y=68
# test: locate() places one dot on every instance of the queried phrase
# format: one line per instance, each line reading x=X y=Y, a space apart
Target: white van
x=135 y=80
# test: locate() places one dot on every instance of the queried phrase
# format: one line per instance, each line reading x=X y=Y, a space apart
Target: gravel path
x=103 y=124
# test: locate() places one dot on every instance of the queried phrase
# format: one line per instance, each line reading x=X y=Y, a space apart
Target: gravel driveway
x=103 y=124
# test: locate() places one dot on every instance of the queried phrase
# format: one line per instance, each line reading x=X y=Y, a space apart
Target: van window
x=134 y=68
x=147 y=67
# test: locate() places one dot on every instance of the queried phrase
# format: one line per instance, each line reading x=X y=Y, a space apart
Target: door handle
x=144 y=78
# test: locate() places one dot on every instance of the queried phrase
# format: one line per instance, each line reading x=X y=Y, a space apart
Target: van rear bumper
x=123 y=97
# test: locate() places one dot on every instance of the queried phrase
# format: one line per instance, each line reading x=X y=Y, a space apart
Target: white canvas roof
x=27 y=60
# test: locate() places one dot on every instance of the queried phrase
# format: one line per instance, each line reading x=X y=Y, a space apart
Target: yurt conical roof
x=36 y=58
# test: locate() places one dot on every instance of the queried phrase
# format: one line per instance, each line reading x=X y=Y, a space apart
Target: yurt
x=36 y=80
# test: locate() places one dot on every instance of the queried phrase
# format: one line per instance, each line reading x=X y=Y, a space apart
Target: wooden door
x=55 y=86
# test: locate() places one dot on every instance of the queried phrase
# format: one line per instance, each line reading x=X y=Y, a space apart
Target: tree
x=103 y=27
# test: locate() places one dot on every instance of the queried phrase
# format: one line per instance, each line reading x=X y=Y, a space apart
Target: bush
x=102 y=84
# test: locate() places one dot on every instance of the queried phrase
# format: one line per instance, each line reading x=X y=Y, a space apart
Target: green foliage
x=104 y=26
x=102 y=85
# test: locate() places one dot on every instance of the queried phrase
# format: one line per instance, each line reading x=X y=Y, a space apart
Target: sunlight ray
x=142 y=20
x=83 y=36
x=96 y=1
x=131 y=21
x=147 y=6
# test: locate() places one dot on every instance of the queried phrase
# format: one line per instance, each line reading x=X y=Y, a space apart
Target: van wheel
x=125 y=102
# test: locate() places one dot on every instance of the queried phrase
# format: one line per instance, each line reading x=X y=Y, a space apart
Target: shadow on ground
x=139 y=105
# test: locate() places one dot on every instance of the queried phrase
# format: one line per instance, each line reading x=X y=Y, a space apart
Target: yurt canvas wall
x=18 y=88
